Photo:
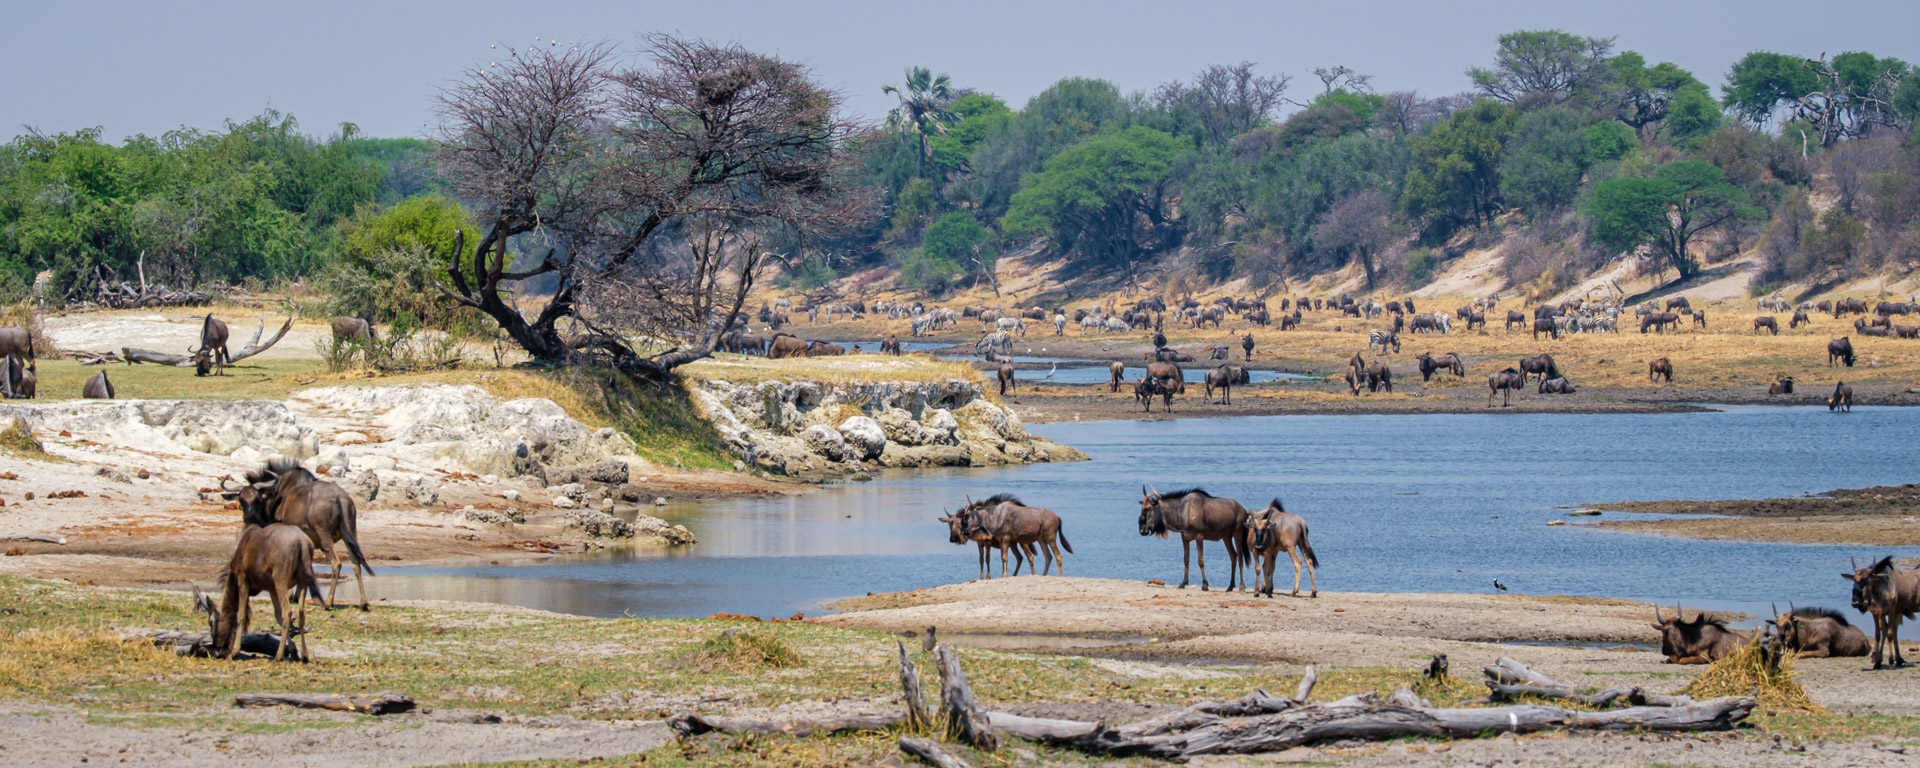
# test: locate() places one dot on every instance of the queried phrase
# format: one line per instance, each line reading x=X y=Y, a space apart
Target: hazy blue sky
x=148 y=67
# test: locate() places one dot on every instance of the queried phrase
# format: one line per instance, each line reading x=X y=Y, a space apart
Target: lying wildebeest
x=824 y=349
x=1118 y=369
x=890 y=345
x=1701 y=641
x=1198 y=517
x=1887 y=594
x=1767 y=322
x=1799 y=319
x=1516 y=317
x=1378 y=376
x=1658 y=321
x=1820 y=633
x=1541 y=365
x=22 y=380
x=212 y=353
x=1505 y=383
x=786 y=345
x=278 y=560
x=1001 y=518
x=1220 y=377
x=1171 y=355
x=1659 y=367
x=1558 y=386
x=1005 y=375
x=1448 y=362
x=1547 y=326
x=957 y=533
x=285 y=492
x=98 y=387
x=1842 y=398
x=16 y=341
x=353 y=329
x=1840 y=349
x=1218 y=353
x=1274 y=530
x=1782 y=387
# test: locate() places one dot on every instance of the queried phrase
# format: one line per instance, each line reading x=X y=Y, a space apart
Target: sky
x=145 y=67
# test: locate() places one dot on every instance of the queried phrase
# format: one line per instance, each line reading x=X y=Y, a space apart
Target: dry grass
x=1752 y=669
x=18 y=440
x=745 y=650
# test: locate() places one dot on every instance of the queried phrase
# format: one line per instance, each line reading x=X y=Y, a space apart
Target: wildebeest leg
x=986 y=560
x=1003 y=560
x=1186 y=563
x=1294 y=555
x=283 y=613
x=1893 y=639
x=300 y=607
x=326 y=545
x=1200 y=553
x=1879 y=639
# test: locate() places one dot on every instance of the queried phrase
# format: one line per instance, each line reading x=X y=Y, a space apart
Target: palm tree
x=923 y=108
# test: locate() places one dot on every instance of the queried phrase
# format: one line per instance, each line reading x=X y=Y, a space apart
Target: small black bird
x=1499 y=586
x=927 y=643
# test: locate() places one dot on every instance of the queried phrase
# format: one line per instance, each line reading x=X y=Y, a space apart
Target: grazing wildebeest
x=890 y=345
x=288 y=493
x=1547 y=326
x=1198 y=517
x=1290 y=322
x=1701 y=641
x=1840 y=349
x=1819 y=633
x=1659 y=367
x=1220 y=377
x=1116 y=368
x=353 y=329
x=1767 y=322
x=98 y=387
x=824 y=349
x=1421 y=323
x=1145 y=389
x=1005 y=375
x=1887 y=594
x=1799 y=319
x=1003 y=519
x=1842 y=398
x=1826 y=306
x=1541 y=365
x=1516 y=317
x=278 y=560
x=1556 y=386
x=1378 y=376
x=1906 y=331
x=1679 y=303
x=16 y=341
x=786 y=345
x=1477 y=318
x=1274 y=530
x=1246 y=346
x=1505 y=383
x=1383 y=338
x=22 y=380
x=1782 y=387
x=212 y=354
x=1658 y=321
x=1448 y=362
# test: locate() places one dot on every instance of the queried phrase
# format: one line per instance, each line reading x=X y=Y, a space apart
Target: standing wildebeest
x=1005 y=375
x=22 y=380
x=1246 y=346
x=1887 y=594
x=1700 y=319
x=1782 y=387
x=1820 y=633
x=1541 y=365
x=1221 y=377
x=1505 y=383
x=1274 y=530
x=1679 y=303
x=1198 y=517
x=1547 y=326
x=1842 y=398
x=1118 y=369
x=1799 y=319
x=1767 y=322
x=16 y=341
x=1448 y=362
x=1659 y=321
x=890 y=345
x=1378 y=376
x=1003 y=519
x=1659 y=367
x=353 y=329
x=98 y=387
x=1556 y=386
x=1516 y=317
x=1701 y=641
x=1840 y=349
x=957 y=533
x=212 y=354
x=1421 y=323
x=1356 y=373
x=288 y=493
x=1169 y=375
x=1148 y=386
x=276 y=559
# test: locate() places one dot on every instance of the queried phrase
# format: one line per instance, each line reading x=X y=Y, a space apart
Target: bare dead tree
x=670 y=189
x=1360 y=226
x=1838 y=111
x=1342 y=77
x=1229 y=99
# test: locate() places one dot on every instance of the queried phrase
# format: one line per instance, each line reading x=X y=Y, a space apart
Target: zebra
x=1382 y=337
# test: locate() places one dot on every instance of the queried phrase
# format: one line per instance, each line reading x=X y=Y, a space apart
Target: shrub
x=1422 y=263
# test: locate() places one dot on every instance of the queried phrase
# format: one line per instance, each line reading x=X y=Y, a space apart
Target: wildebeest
x=353 y=329
x=1882 y=327
x=1246 y=346
x=1702 y=641
x=1658 y=321
x=1421 y=323
x=1221 y=377
x=1118 y=369
x=22 y=381
x=1003 y=519
x=1782 y=387
x=1888 y=594
x=1147 y=387
x=16 y=341
x=824 y=349
x=1448 y=362
x=97 y=387
x=1679 y=303
x=1556 y=386
x=1219 y=353
x=1799 y=318
x=1504 y=383
x=1199 y=517
x=1659 y=367
x=957 y=533
x=1516 y=317
x=1842 y=398
x=1378 y=376
x=786 y=345
x=1005 y=376
x=890 y=345
x=1171 y=355
x=1820 y=633
x=1290 y=322
x=1356 y=373
x=1906 y=331
x=1700 y=320
x=1547 y=326
x=212 y=353
x=1271 y=531
x=278 y=560
x=1169 y=375
x=1840 y=349
x=1541 y=365
x=287 y=493
x=1767 y=322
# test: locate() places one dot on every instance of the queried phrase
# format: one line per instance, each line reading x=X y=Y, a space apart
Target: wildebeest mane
x=1811 y=612
x=1182 y=493
x=1001 y=497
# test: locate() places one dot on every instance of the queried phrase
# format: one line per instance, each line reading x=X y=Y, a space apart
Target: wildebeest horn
x=1657 y=618
x=1774 y=606
x=1853 y=562
x=223 y=483
x=1790 y=608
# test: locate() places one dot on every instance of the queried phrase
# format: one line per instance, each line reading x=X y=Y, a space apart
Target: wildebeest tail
x=353 y=539
x=1063 y=540
x=1307 y=547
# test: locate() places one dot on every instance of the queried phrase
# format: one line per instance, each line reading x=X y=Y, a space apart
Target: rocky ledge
x=804 y=427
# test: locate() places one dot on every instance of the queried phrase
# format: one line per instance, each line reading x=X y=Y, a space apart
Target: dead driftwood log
x=917 y=718
x=965 y=720
x=44 y=539
x=932 y=753
x=133 y=355
x=694 y=725
x=364 y=703
x=201 y=643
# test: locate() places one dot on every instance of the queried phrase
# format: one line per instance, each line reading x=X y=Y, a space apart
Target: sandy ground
x=174 y=331
x=1885 y=516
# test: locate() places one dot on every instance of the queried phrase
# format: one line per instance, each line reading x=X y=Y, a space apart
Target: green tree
x=1693 y=116
x=1455 y=173
x=980 y=115
x=1104 y=199
x=1059 y=117
x=956 y=244
x=1643 y=95
x=1607 y=141
x=1666 y=212
x=1533 y=67
x=389 y=263
x=1762 y=80
x=924 y=99
x=1544 y=160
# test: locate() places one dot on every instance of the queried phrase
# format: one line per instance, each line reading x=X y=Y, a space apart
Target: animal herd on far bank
x=289 y=514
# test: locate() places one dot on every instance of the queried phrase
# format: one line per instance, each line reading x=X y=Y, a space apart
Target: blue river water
x=1396 y=503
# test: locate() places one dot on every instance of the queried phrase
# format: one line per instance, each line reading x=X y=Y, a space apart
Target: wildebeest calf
x=1005 y=374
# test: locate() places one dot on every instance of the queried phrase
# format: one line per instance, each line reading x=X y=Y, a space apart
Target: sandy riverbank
x=1882 y=516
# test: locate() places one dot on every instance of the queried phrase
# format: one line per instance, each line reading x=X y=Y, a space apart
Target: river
x=1396 y=503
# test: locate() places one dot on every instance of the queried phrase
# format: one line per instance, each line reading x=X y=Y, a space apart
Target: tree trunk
x=372 y=704
x=965 y=721
x=917 y=717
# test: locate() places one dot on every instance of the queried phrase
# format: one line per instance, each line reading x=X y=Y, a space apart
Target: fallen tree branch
x=1510 y=672
x=201 y=643
x=932 y=753
x=689 y=724
x=371 y=704
x=1640 y=698
x=42 y=538
x=136 y=355
x=1502 y=692
x=1042 y=729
